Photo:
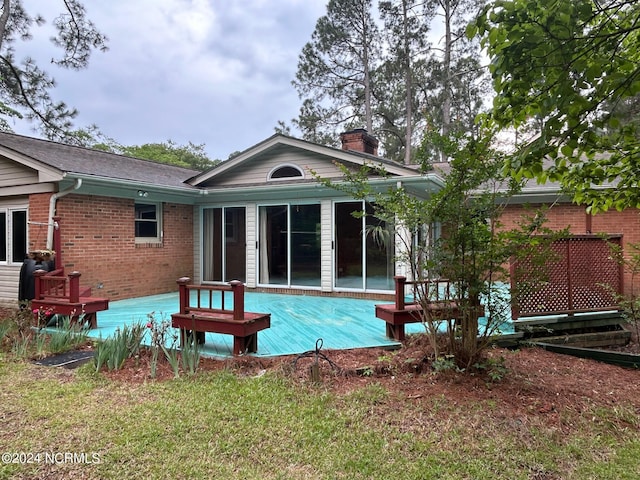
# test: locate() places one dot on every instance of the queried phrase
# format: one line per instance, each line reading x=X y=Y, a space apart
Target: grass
x=220 y=425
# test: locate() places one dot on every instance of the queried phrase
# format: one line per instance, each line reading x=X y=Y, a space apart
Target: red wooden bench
x=401 y=312
x=58 y=294
x=203 y=317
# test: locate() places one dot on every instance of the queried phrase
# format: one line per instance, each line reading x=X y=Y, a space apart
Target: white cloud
x=207 y=71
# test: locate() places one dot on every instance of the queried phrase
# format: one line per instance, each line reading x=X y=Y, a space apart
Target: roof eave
x=420 y=185
x=349 y=156
x=104 y=186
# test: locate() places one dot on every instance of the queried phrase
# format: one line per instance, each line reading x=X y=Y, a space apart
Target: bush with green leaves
x=474 y=248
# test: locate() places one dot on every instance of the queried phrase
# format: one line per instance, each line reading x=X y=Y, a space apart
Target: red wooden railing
x=52 y=284
x=204 y=298
x=435 y=290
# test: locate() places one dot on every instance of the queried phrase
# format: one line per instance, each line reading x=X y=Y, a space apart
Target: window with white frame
x=148 y=224
x=285 y=172
x=13 y=235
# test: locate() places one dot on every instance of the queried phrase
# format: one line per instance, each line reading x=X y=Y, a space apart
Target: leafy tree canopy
x=574 y=67
x=190 y=155
x=380 y=70
x=25 y=88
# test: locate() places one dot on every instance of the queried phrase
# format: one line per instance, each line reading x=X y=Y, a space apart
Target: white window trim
x=8 y=211
x=158 y=237
x=285 y=165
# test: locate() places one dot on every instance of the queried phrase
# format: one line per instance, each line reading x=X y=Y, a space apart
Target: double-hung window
x=148 y=224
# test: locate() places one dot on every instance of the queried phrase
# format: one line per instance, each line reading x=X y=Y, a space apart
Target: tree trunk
x=446 y=100
x=407 y=85
x=469 y=333
x=367 y=77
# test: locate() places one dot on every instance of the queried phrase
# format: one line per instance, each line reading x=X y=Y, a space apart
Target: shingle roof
x=71 y=159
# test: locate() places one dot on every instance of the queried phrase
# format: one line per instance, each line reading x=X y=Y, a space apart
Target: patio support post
x=183 y=293
x=74 y=287
x=38 y=284
x=400 y=281
x=237 y=287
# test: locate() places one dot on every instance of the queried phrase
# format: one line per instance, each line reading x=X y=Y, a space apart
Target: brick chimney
x=360 y=141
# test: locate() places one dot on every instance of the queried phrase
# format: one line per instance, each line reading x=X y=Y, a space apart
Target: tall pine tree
x=334 y=71
x=406 y=24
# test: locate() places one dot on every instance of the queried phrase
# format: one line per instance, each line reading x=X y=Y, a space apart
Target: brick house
x=132 y=227
x=586 y=256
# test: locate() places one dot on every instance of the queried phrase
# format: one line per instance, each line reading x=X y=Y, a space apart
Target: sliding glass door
x=224 y=244
x=364 y=248
x=289 y=245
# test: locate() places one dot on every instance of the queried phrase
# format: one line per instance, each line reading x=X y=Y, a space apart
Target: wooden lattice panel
x=579 y=275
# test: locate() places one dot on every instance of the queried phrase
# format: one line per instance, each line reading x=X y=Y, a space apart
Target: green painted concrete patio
x=297 y=322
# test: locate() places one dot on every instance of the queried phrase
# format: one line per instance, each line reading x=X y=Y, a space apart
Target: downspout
x=52 y=209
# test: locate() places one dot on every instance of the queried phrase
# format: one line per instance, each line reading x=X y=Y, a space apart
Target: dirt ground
x=533 y=381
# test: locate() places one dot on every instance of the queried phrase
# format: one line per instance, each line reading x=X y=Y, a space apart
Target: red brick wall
x=626 y=223
x=98 y=240
x=38 y=214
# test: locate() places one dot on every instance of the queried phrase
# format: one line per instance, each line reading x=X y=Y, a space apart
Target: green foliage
x=125 y=343
x=25 y=88
x=5 y=328
x=473 y=248
x=334 y=70
x=377 y=70
x=67 y=336
x=572 y=66
x=399 y=78
x=171 y=354
x=445 y=363
x=495 y=368
x=190 y=355
x=20 y=346
x=188 y=156
x=630 y=303
x=159 y=330
x=26 y=340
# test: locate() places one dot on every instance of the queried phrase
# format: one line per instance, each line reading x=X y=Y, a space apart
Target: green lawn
x=221 y=425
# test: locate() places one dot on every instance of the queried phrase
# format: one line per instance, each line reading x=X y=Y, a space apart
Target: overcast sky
x=216 y=72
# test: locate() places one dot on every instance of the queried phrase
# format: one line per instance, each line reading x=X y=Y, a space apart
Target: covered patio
x=297 y=322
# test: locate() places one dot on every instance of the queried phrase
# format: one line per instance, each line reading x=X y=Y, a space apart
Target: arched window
x=283 y=172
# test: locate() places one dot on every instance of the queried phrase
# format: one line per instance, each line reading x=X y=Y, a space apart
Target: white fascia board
x=348 y=156
x=27 y=189
x=422 y=186
x=46 y=173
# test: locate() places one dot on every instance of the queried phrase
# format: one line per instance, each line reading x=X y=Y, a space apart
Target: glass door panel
x=212 y=245
x=364 y=249
x=235 y=234
x=305 y=245
x=380 y=252
x=348 y=246
x=273 y=245
x=224 y=244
